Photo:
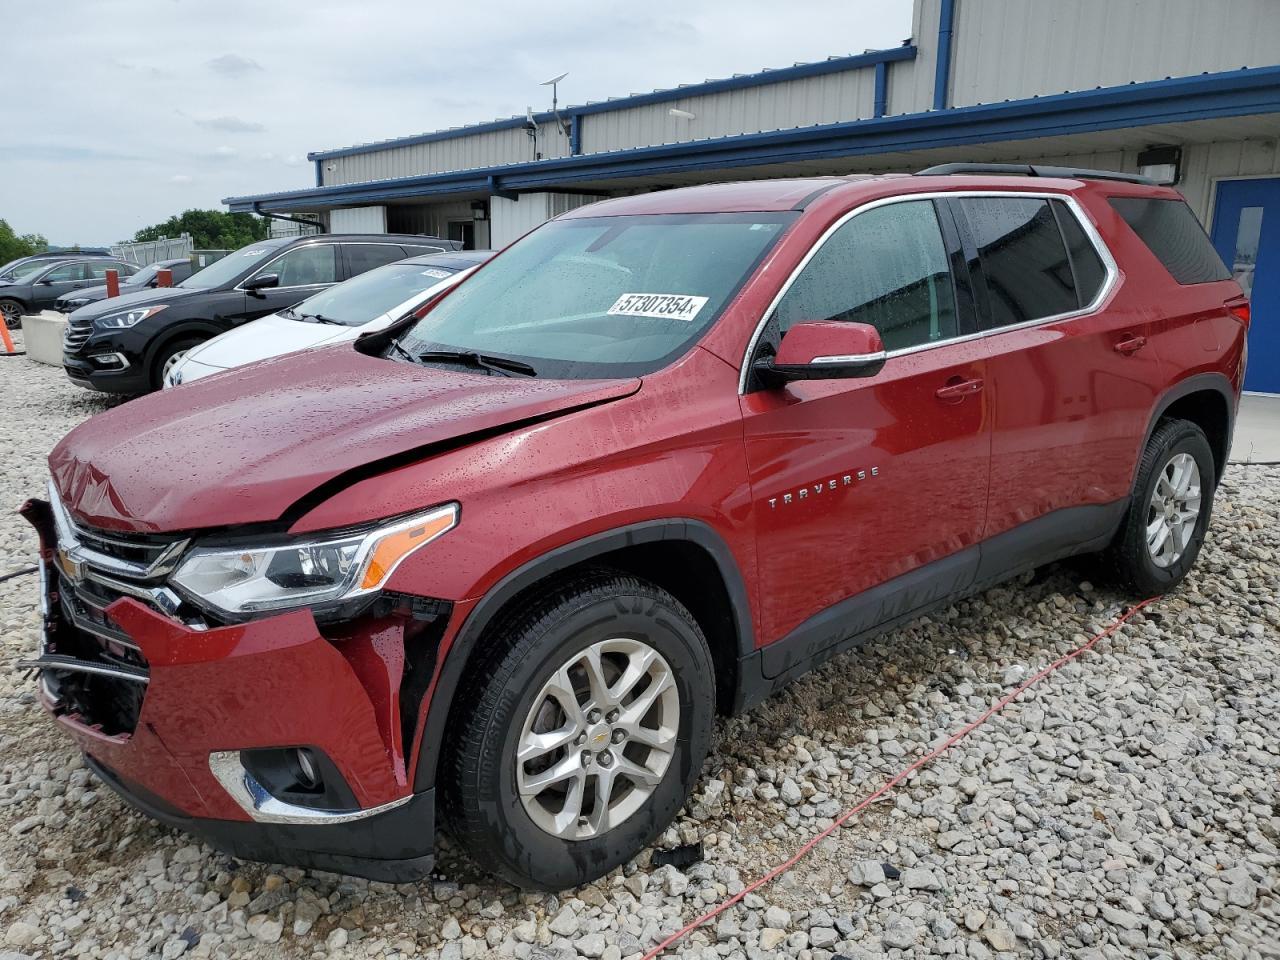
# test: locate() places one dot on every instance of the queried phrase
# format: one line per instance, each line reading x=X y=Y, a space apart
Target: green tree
x=13 y=246
x=210 y=229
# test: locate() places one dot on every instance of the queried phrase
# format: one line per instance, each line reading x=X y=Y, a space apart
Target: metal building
x=1188 y=90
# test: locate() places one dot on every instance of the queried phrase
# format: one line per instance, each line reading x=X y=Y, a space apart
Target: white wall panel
x=849 y=95
x=512 y=219
x=493 y=148
x=358 y=220
x=1012 y=49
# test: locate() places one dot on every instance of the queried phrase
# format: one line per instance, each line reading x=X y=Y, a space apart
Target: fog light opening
x=308 y=775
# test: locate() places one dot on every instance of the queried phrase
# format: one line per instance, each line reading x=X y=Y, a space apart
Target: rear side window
x=887 y=267
x=1089 y=270
x=1023 y=257
x=1171 y=231
x=366 y=256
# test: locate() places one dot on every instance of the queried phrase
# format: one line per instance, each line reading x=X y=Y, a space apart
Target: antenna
x=553 y=83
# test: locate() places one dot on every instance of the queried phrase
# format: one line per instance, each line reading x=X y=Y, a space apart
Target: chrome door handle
x=958 y=390
x=1130 y=345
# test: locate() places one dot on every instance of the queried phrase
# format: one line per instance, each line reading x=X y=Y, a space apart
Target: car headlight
x=242 y=580
x=127 y=318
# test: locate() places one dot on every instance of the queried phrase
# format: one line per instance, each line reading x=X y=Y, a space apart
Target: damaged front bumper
x=213 y=716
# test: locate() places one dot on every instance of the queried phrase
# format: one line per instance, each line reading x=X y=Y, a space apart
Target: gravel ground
x=1129 y=806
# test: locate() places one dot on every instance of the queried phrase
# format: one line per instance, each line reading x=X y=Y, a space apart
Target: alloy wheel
x=1174 y=510
x=598 y=739
x=170 y=364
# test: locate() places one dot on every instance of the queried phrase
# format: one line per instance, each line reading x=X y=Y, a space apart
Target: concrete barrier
x=42 y=335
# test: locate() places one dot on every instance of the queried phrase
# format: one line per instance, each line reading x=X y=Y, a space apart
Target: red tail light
x=1240 y=310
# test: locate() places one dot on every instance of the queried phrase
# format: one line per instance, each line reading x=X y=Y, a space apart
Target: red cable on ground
x=898 y=778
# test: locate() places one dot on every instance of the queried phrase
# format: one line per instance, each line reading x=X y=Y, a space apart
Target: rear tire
x=1169 y=510
x=569 y=813
x=12 y=310
x=170 y=354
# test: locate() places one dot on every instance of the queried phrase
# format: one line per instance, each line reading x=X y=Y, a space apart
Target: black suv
x=34 y=286
x=127 y=344
x=144 y=279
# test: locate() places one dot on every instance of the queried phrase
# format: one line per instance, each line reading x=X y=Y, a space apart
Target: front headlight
x=305 y=572
x=127 y=318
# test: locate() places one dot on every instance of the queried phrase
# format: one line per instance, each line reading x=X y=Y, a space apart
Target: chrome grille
x=112 y=565
x=76 y=335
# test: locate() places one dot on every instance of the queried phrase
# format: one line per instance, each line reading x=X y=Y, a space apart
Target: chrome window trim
x=853 y=358
x=287 y=250
x=1086 y=224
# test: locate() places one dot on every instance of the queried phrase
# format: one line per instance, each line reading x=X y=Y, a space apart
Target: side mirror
x=46 y=281
x=824 y=350
x=263 y=281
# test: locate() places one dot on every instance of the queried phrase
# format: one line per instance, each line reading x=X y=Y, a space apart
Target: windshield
x=372 y=294
x=601 y=296
x=25 y=271
x=232 y=265
x=145 y=275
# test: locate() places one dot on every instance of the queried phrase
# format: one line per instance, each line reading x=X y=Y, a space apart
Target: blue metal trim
x=942 y=69
x=319 y=174
x=1232 y=94
x=822 y=67
x=881 y=98
x=495 y=188
x=575 y=133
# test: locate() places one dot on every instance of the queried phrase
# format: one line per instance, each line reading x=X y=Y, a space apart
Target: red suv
x=652 y=462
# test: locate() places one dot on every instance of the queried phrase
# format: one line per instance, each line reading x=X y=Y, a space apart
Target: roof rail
x=1034 y=170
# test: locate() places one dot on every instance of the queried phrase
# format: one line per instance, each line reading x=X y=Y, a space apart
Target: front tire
x=581 y=731
x=1169 y=510
x=11 y=312
x=170 y=356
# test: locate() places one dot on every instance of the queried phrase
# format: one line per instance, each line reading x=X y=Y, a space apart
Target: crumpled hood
x=244 y=447
x=270 y=336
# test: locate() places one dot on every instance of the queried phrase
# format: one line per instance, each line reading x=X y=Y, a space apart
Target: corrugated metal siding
x=1203 y=164
x=512 y=219
x=849 y=95
x=1011 y=49
x=358 y=220
x=911 y=81
x=440 y=156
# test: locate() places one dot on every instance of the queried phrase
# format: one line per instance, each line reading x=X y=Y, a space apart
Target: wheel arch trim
x=455 y=661
x=1199 y=383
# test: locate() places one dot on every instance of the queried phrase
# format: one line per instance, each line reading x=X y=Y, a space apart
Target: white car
x=338 y=314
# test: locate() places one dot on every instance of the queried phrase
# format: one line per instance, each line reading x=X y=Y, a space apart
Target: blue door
x=1246 y=233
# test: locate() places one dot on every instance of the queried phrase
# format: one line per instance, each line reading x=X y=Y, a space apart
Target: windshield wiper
x=480 y=361
x=318 y=318
x=395 y=345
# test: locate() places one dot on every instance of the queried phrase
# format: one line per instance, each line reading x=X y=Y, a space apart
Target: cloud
x=294 y=160
x=59 y=153
x=180 y=178
x=224 y=153
x=233 y=65
x=229 y=124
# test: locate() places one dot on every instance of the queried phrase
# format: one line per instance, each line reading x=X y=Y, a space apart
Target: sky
x=130 y=111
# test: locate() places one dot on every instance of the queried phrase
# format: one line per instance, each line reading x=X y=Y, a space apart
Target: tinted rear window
x=1023 y=258
x=1172 y=232
x=1089 y=269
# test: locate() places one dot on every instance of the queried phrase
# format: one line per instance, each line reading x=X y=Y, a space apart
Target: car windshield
x=372 y=294
x=25 y=271
x=144 y=275
x=232 y=265
x=602 y=296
